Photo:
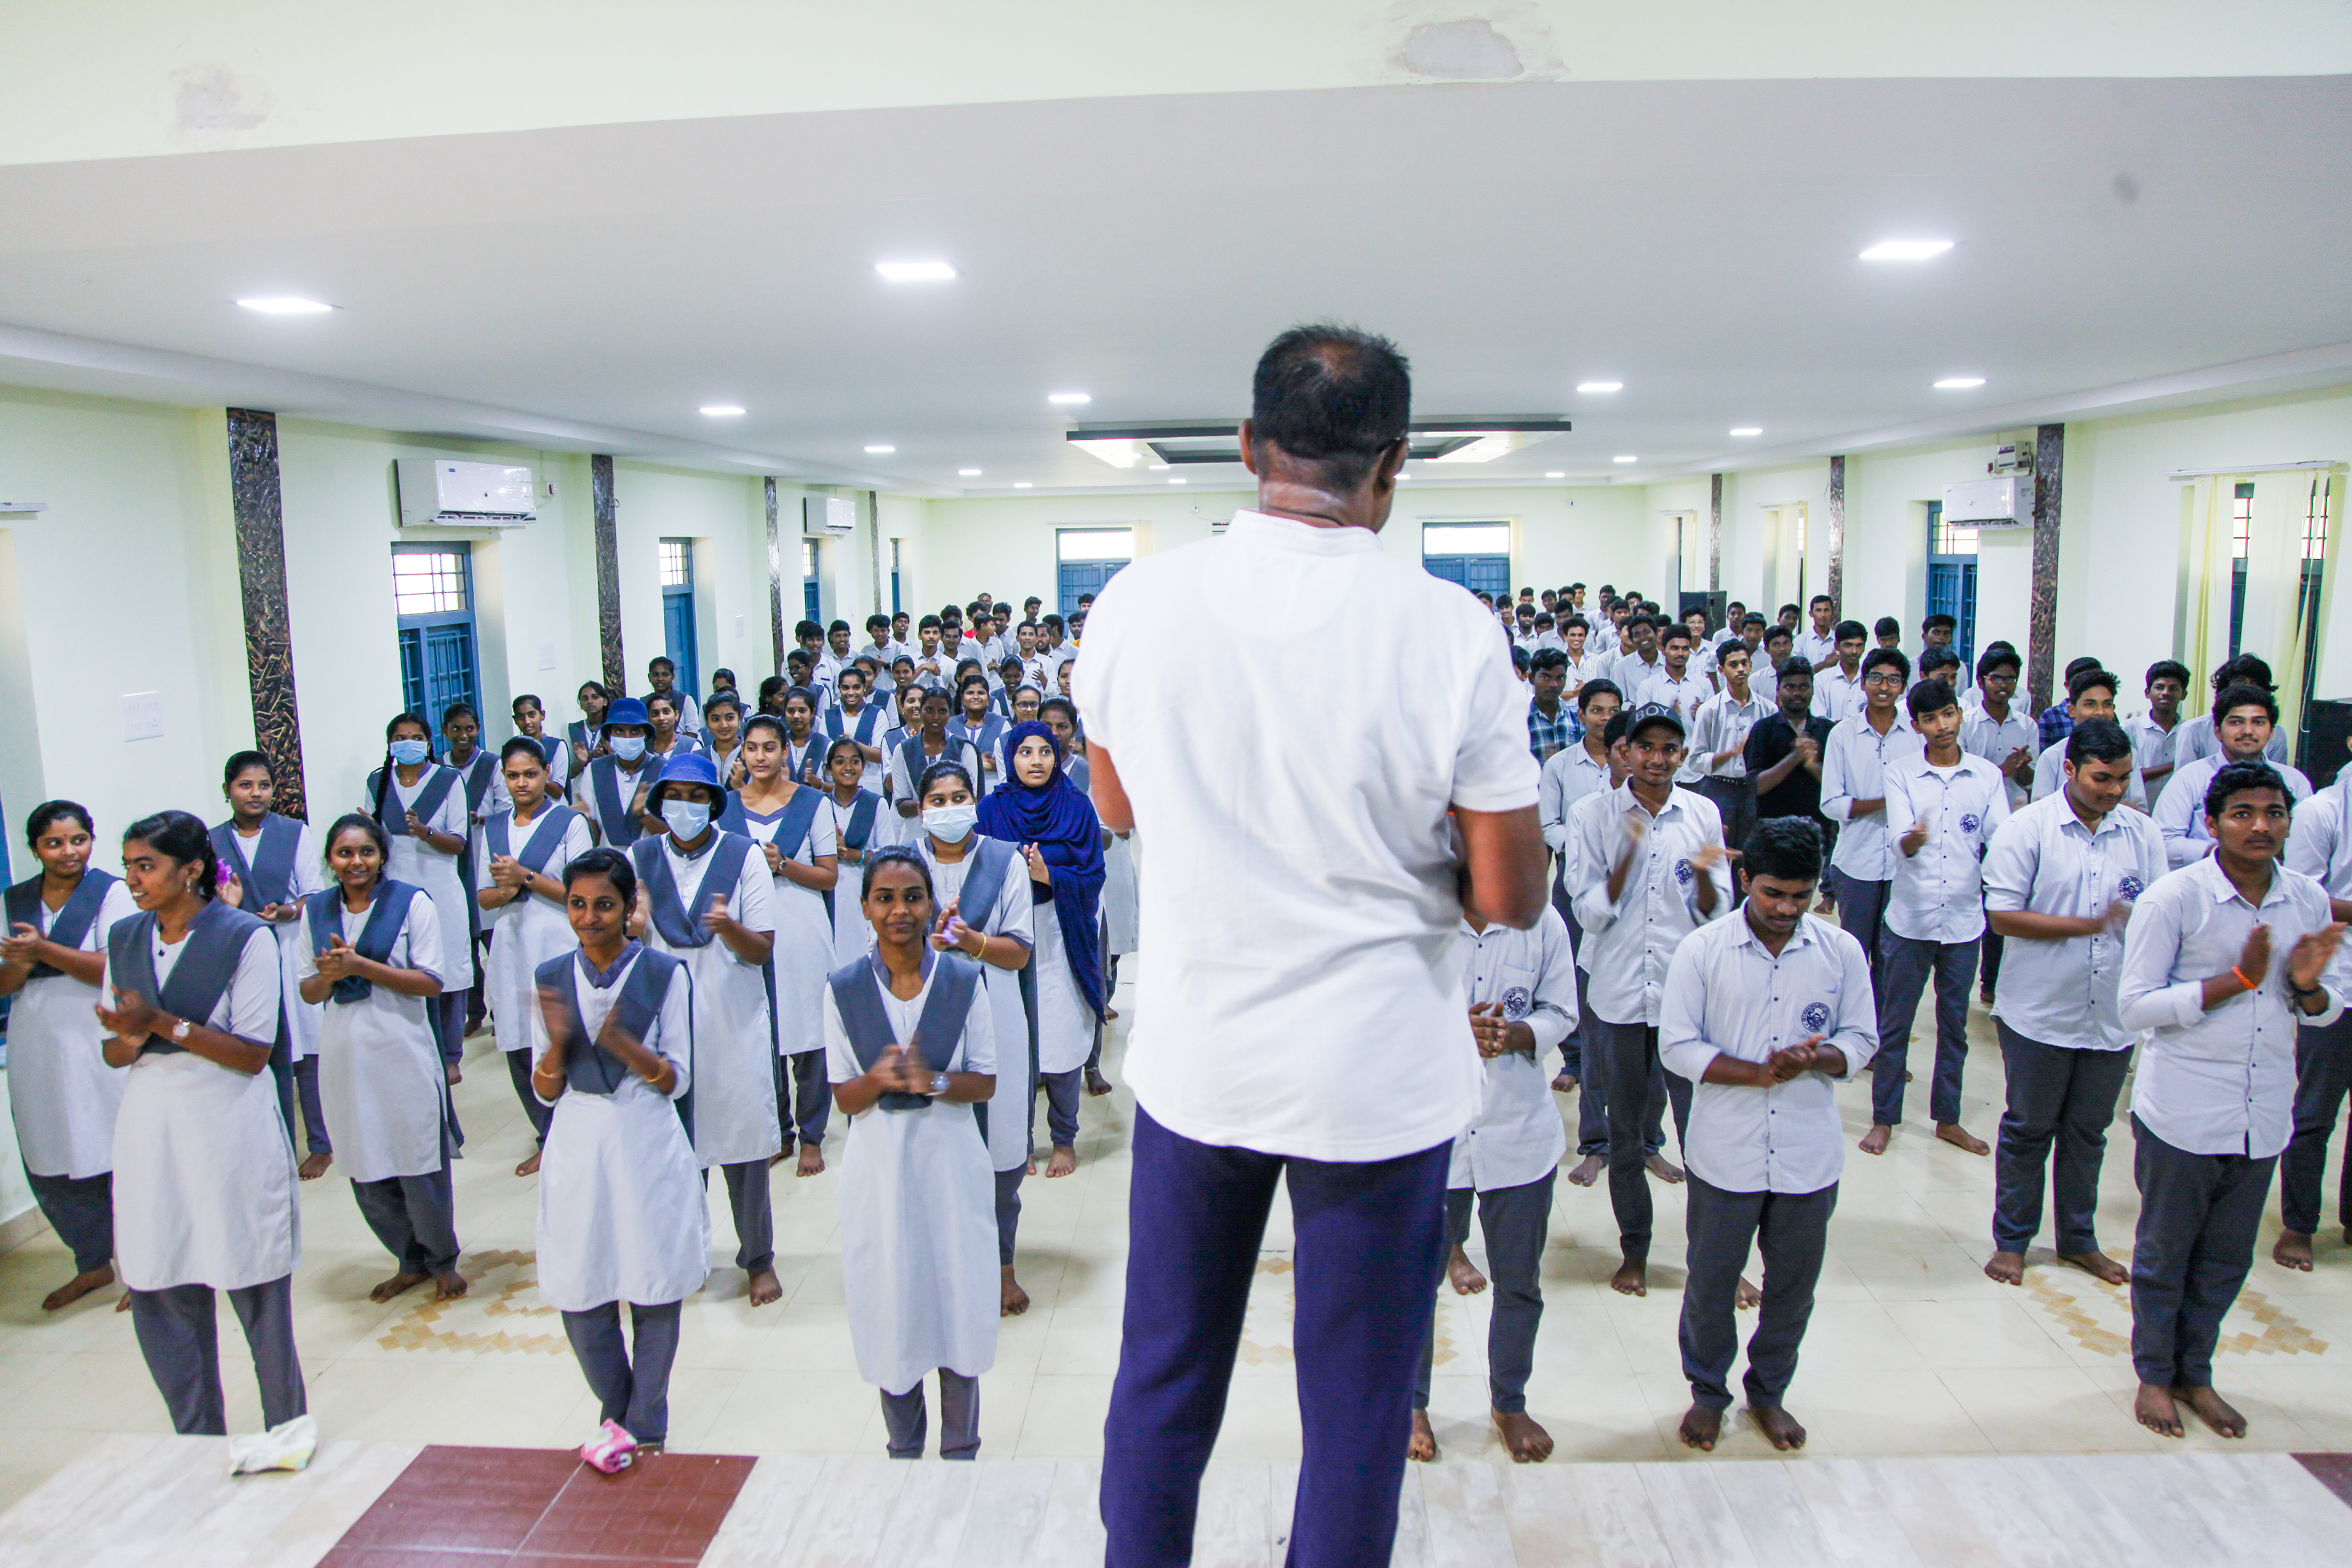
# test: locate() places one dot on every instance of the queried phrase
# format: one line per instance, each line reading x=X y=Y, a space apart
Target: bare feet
x=1463 y=1274
x=394 y=1286
x=1780 y=1428
x=529 y=1167
x=2292 y=1251
x=1111 y=1015
x=1564 y=1084
x=1666 y=1170
x=811 y=1160
x=1422 y=1448
x=1012 y=1300
x=779 y=1157
x=1701 y=1426
x=2099 y=1266
x=124 y=1304
x=448 y=1286
x=99 y=1277
x=1063 y=1161
x=1096 y=1085
x=1588 y=1170
x=2213 y=1410
x=1529 y=1443
x=2006 y=1268
x=2154 y=1409
x=1959 y=1137
x=314 y=1164
x=453 y=1073
x=1746 y=1297
x=766 y=1287
x=1631 y=1279
x=1874 y=1140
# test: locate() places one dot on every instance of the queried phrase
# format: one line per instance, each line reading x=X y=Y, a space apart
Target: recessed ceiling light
x=285 y=306
x=968 y=473
x=1747 y=430
x=1021 y=484
x=915 y=271
x=720 y=410
x=1958 y=383
x=1600 y=386
x=1404 y=476
x=1556 y=474
x=1906 y=249
x=1067 y=398
x=1624 y=457
x=880 y=448
x=1177 y=481
x=1158 y=466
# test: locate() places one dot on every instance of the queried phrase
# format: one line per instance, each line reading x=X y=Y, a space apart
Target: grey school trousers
x=631 y=1381
x=749 y=1200
x=2057 y=1095
x=1620 y=1057
x=1515 y=1222
x=415 y=1217
x=2197 y=1218
x=178 y=1334
x=1791 y=1230
x=81 y=1211
x=905 y=1419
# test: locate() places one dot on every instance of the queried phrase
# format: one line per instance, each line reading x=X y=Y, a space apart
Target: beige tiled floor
x=1911 y=1350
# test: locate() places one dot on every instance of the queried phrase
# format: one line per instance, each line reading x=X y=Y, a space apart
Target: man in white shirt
x=1998 y=732
x=879 y=649
x=2198 y=738
x=1583 y=664
x=1818 y=643
x=2224 y=958
x=1943 y=806
x=1718 y=747
x=1765 y=1014
x=1853 y=795
x=1522 y=989
x=2151 y=733
x=2090 y=694
x=1640 y=658
x=2321 y=850
x=1936 y=631
x=2059 y=879
x=1676 y=685
x=1837 y=686
x=1650 y=869
x=1293 y=1029
x=2246 y=719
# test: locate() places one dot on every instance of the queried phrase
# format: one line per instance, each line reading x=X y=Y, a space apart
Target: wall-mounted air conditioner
x=828 y=514
x=2003 y=503
x=463 y=495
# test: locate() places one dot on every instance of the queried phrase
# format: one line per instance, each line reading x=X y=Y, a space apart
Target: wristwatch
x=938 y=1083
x=179 y=1031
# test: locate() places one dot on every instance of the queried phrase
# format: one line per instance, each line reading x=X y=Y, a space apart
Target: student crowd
x=701 y=926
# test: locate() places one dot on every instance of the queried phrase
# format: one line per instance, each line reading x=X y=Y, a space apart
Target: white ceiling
x=591 y=287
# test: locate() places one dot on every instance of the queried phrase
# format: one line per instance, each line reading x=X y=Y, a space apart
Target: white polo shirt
x=1818 y=648
x=2050 y=775
x=2194 y=738
x=1304 y=991
x=1568 y=775
x=1835 y=697
x=1726 y=994
x=2320 y=847
x=2180 y=813
x=1994 y=739
x=1722 y=725
x=1854 y=760
x=2151 y=748
x=2043 y=861
x=1516 y=1135
x=1628 y=943
x=1938 y=893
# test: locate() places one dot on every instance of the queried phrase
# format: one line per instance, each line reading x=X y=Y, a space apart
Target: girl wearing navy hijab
x=1060 y=838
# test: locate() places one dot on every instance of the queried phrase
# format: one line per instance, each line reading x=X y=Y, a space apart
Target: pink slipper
x=611 y=1450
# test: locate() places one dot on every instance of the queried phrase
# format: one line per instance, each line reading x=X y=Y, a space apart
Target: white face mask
x=408 y=754
x=686 y=818
x=628 y=748
x=950 y=824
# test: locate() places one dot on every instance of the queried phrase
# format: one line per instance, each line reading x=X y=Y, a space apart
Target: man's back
x=1300 y=993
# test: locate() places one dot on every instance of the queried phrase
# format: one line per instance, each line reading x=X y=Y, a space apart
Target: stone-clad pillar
x=261 y=583
x=608 y=572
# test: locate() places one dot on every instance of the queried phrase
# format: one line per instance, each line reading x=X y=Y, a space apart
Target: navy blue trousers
x=1370 y=1236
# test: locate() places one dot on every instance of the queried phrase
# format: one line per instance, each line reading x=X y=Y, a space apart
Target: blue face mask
x=408 y=754
x=686 y=818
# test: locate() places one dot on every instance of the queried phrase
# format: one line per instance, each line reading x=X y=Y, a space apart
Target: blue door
x=432 y=594
x=1952 y=580
x=1083 y=577
x=677 y=611
x=808 y=581
x=1479 y=573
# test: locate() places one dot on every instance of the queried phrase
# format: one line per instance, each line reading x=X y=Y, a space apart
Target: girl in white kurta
x=62 y=1094
x=705 y=896
x=273 y=864
x=554 y=751
x=519 y=874
x=422 y=809
x=371 y=958
x=203 y=1170
x=620 y=1212
x=997 y=928
x=909 y=1041
x=862 y=823
x=793 y=832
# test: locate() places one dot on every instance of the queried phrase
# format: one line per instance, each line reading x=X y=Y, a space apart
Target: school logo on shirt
x=1971 y=822
x=1518 y=1002
x=1816 y=1017
x=1684 y=874
x=2128 y=889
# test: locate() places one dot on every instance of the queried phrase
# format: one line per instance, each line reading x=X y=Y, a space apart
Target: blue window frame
x=808 y=581
x=897 y=606
x=1952 y=580
x=433 y=596
x=1476 y=554
x=677 y=611
x=1085 y=559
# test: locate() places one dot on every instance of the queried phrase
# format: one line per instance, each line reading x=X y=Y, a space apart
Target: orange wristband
x=2242 y=978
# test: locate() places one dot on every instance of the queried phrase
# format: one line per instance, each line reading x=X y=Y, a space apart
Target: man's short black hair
x=2098 y=740
x=1796 y=664
x=1618 y=723
x=1776 y=632
x=2237 y=778
x=2169 y=668
x=2075 y=667
x=1937 y=658
x=1996 y=657
x=1785 y=848
x=2084 y=680
x=1519 y=660
x=1930 y=697
x=1333 y=396
x=1820 y=599
x=1633 y=621
x=807 y=630
x=1566 y=623
x=1886 y=626
x=1549 y=659
x=1750 y=619
x=1946 y=622
x=1591 y=691
x=2246 y=670
x=1880 y=657
x=1676 y=632
x=2244 y=697
x=1845 y=631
